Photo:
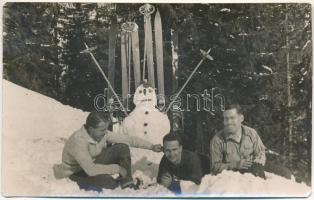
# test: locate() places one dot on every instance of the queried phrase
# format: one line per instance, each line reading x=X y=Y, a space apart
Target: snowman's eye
x=150 y=90
x=140 y=91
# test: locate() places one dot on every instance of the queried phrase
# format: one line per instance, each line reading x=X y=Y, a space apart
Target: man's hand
x=157 y=148
x=166 y=180
x=244 y=164
x=103 y=141
x=122 y=171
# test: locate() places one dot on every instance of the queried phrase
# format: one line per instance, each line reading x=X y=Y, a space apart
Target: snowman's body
x=148 y=123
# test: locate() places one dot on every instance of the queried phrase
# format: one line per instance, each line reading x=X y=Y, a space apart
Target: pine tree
x=29 y=51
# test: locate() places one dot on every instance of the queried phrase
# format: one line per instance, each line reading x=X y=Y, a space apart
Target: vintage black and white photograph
x=156 y=99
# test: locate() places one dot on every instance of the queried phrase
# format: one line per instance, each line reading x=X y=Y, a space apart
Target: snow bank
x=36 y=127
x=234 y=184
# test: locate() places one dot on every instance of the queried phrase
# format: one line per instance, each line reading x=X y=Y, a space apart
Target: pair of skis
x=130 y=49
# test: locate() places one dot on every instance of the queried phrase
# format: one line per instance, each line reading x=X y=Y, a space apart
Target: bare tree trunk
x=176 y=116
x=175 y=59
x=112 y=54
x=289 y=99
x=199 y=141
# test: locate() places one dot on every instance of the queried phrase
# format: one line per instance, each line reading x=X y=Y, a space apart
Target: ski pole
x=205 y=55
x=88 y=50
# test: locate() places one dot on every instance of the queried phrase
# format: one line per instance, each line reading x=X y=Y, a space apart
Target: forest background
x=262 y=60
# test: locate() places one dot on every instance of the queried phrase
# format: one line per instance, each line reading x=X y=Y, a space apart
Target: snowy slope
x=35 y=129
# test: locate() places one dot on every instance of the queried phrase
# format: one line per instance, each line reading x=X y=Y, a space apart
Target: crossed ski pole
x=89 y=51
x=205 y=55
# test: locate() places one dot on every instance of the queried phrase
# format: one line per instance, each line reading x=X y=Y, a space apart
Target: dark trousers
x=116 y=154
x=256 y=169
x=277 y=168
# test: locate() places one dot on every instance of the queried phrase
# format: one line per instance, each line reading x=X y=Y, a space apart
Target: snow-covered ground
x=230 y=184
x=36 y=127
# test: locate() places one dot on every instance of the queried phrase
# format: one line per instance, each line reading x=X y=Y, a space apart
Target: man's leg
x=256 y=169
x=117 y=154
x=95 y=183
x=277 y=168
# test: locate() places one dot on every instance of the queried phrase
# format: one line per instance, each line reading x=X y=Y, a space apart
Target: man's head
x=97 y=124
x=233 y=118
x=172 y=147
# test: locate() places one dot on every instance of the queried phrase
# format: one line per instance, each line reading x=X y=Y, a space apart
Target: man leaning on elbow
x=178 y=164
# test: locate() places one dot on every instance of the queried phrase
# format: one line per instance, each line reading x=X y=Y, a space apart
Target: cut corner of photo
x=156 y=99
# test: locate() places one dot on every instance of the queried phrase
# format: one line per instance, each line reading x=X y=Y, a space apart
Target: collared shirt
x=226 y=150
x=80 y=151
x=189 y=168
x=235 y=137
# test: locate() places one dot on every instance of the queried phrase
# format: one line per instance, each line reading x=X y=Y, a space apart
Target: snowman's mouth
x=144 y=100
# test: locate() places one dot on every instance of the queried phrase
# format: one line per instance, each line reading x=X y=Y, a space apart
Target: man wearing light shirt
x=237 y=147
x=93 y=154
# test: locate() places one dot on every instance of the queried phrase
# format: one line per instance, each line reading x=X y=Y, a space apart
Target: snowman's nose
x=144 y=91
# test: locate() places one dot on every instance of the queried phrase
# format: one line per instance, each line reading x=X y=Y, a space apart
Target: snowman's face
x=145 y=95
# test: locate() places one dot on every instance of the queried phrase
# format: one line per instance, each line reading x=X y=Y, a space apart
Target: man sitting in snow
x=89 y=160
x=237 y=147
x=178 y=164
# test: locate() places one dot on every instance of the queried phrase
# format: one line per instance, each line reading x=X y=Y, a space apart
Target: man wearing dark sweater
x=178 y=164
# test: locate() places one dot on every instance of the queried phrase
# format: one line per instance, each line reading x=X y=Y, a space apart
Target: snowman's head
x=145 y=95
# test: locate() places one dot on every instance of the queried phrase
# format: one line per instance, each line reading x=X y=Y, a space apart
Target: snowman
x=148 y=123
